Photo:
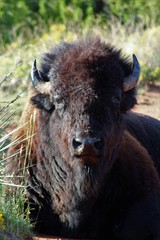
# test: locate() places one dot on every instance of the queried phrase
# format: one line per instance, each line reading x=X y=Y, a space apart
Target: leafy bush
x=138 y=11
x=149 y=74
x=20 y=16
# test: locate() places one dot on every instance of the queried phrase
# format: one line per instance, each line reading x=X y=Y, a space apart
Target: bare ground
x=149 y=102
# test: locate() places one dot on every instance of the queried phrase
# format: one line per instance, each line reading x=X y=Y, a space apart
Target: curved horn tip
x=35 y=63
x=131 y=81
x=34 y=68
x=36 y=78
x=134 y=57
x=136 y=62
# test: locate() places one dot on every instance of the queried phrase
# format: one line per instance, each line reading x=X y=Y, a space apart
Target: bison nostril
x=86 y=145
x=76 y=143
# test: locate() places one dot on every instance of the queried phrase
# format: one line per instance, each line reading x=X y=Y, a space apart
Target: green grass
x=14 y=213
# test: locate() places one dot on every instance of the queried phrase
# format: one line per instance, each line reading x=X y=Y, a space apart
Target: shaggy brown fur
x=133 y=177
x=25 y=140
x=86 y=176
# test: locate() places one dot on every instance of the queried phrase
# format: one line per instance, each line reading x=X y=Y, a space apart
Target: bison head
x=81 y=91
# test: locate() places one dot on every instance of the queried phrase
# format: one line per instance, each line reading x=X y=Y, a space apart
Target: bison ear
x=131 y=80
x=42 y=86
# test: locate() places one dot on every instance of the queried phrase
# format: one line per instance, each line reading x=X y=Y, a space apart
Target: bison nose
x=87 y=146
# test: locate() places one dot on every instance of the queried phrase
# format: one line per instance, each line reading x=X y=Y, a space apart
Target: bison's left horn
x=36 y=78
x=38 y=81
x=131 y=81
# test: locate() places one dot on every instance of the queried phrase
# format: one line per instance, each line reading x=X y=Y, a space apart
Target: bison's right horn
x=38 y=81
x=131 y=80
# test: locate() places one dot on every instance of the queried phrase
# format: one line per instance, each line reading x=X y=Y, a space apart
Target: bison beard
x=88 y=176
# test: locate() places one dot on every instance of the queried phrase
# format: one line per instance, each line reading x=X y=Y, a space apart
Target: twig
x=15 y=99
x=10 y=73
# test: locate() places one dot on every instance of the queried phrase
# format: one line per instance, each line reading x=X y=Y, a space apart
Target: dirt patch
x=149 y=102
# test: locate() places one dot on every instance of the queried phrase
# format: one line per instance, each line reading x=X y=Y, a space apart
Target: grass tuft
x=14 y=211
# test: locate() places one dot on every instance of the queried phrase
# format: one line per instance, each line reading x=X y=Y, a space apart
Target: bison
x=92 y=165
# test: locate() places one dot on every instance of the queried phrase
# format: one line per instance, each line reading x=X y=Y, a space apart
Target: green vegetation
x=14 y=214
x=31 y=27
x=14 y=218
x=21 y=14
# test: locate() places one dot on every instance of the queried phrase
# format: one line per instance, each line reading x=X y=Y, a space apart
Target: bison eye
x=116 y=99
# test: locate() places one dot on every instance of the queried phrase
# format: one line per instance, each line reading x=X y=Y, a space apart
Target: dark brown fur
x=112 y=195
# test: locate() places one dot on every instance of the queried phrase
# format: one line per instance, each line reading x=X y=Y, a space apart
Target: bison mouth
x=88 y=160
